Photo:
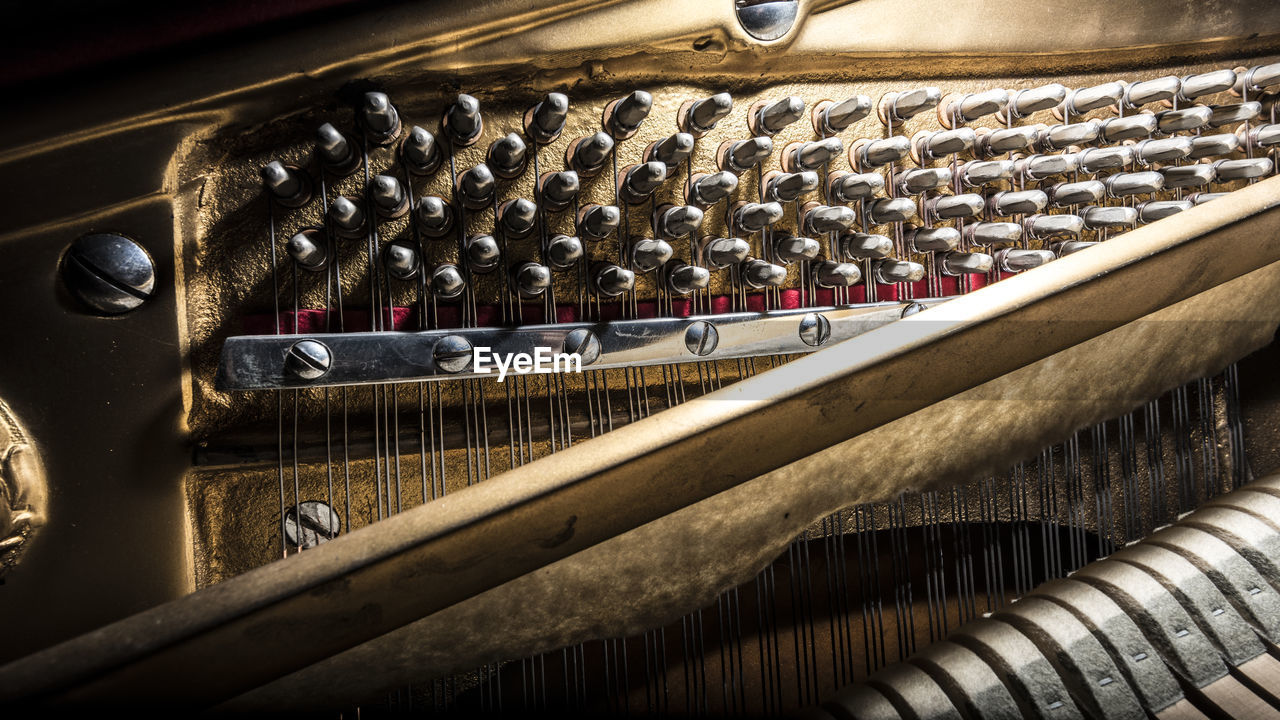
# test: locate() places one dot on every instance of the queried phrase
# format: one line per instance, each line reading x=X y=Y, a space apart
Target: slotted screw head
x=452 y=354
x=110 y=273
x=583 y=342
x=308 y=359
x=701 y=338
x=815 y=329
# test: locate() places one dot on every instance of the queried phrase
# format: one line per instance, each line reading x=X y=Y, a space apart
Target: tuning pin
x=623 y=117
x=1161 y=209
x=742 y=155
x=958 y=110
x=1192 y=118
x=419 y=152
x=1242 y=169
x=760 y=274
x=1039 y=167
x=530 y=279
x=1007 y=140
x=870 y=154
x=612 y=281
x=1264 y=136
x=389 y=198
x=676 y=220
x=768 y=118
x=1098 y=217
x=1091 y=160
x=671 y=150
x=518 y=217
x=794 y=248
x=992 y=233
x=1014 y=260
x=1129 y=127
x=287 y=184
x=482 y=253
x=379 y=119
x=649 y=254
x=1082 y=100
x=788 y=187
x=507 y=156
x=1162 y=150
x=919 y=180
x=861 y=246
x=335 y=150
x=1149 y=91
x=1058 y=137
x=707 y=189
x=558 y=189
x=699 y=117
x=962 y=263
x=1203 y=146
x=986 y=172
x=588 y=155
x=830 y=117
x=447 y=282
x=462 y=121
x=889 y=271
x=684 y=279
x=827 y=218
x=1137 y=183
x=564 y=251
x=890 y=210
x=850 y=187
x=897 y=107
x=596 y=222
x=1233 y=114
x=347 y=217
x=1043 y=227
x=1184 y=176
x=637 y=182
x=1018 y=202
x=402 y=260
x=753 y=217
x=1210 y=83
x=934 y=239
x=1257 y=78
x=831 y=274
x=475 y=187
x=798 y=157
x=1064 y=249
x=1024 y=102
x=433 y=216
x=723 y=252
x=1077 y=193
x=1204 y=197
x=950 y=207
x=309 y=249
x=927 y=146
x=545 y=121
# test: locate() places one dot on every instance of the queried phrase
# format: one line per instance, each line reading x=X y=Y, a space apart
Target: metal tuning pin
x=671 y=151
x=337 y=154
x=850 y=187
x=1192 y=118
x=699 y=117
x=379 y=119
x=890 y=271
x=1210 y=83
x=447 y=281
x=1039 y=167
x=1091 y=160
x=1098 y=217
x=596 y=222
x=741 y=155
x=1257 y=79
x=1234 y=114
x=676 y=220
x=462 y=121
x=1204 y=197
x=862 y=246
x=564 y=251
x=832 y=274
x=544 y=122
x=288 y=185
x=1185 y=176
x=927 y=146
x=309 y=249
x=1024 y=102
x=788 y=187
x=950 y=207
x=482 y=253
x=612 y=281
x=1265 y=136
x=475 y=187
x=347 y=217
x=754 y=217
x=1162 y=150
x=419 y=152
x=588 y=155
x=1064 y=249
x=769 y=118
x=760 y=274
x=955 y=110
x=1018 y=202
x=1150 y=91
x=433 y=216
x=898 y=107
x=962 y=263
x=1203 y=146
x=1082 y=100
x=402 y=260
x=637 y=182
x=992 y=233
x=1058 y=137
x=724 y=252
x=921 y=179
x=1077 y=193
x=935 y=239
x=1043 y=227
x=867 y=155
x=1161 y=209
x=683 y=278
x=530 y=279
x=710 y=188
x=1015 y=260
x=388 y=196
x=795 y=248
x=830 y=117
x=622 y=117
x=1006 y=140
x=649 y=254
x=1129 y=127
x=985 y=172
x=1242 y=169
x=558 y=189
x=507 y=156
x=891 y=210
x=802 y=156
x=1136 y=183
x=517 y=217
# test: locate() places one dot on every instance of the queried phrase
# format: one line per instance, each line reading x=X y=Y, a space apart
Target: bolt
x=308 y=359
x=701 y=338
x=815 y=329
x=452 y=354
x=110 y=273
x=583 y=342
x=319 y=524
x=767 y=19
x=912 y=309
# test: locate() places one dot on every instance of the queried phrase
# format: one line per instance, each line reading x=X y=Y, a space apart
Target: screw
x=701 y=338
x=308 y=359
x=319 y=524
x=767 y=19
x=583 y=342
x=452 y=353
x=110 y=273
x=912 y=309
x=815 y=329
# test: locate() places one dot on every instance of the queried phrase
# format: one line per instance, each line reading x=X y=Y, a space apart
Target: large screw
x=310 y=523
x=701 y=337
x=583 y=342
x=452 y=353
x=767 y=19
x=815 y=329
x=308 y=359
x=110 y=273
